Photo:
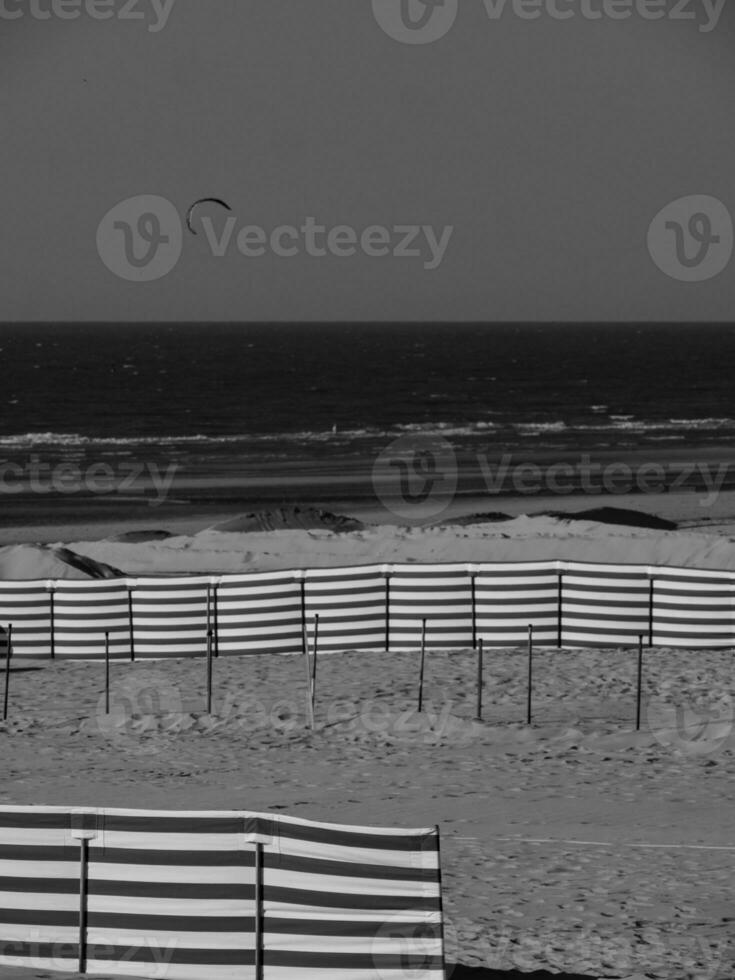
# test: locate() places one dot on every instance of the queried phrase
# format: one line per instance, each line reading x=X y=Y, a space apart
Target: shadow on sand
x=455 y=971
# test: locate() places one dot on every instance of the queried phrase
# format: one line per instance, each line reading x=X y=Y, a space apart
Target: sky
x=519 y=163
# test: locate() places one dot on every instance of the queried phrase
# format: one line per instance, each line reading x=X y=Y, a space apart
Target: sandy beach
x=576 y=846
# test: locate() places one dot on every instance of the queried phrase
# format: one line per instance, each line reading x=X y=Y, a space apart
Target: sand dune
x=43 y=562
x=520 y=539
x=289 y=518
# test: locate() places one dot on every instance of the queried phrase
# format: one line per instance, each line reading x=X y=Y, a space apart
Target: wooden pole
x=640 y=685
x=309 y=687
x=423 y=661
x=305 y=638
x=387 y=611
x=209 y=672
x=445 y=969
x=559 y=611
x=473 y=582
x=8 y=655
x=259 y=912
x=131 y=626
x=83 y=862
x=52 y=625
x=480 y=652
x=107 y=673
x=651 y=586
x=215 y=615
x=529 y=706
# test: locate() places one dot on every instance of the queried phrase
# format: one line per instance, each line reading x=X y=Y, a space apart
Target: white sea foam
x=448 y=430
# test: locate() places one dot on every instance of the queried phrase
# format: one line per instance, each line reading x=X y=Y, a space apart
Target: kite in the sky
x=195 y=205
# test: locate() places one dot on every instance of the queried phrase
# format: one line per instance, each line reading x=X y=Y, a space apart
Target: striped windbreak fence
x=217 y=896
x=372 y=607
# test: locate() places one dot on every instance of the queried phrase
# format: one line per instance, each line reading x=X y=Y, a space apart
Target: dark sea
x=279 y=391
x=223 y=402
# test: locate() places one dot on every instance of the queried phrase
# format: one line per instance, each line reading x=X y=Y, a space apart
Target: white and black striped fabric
x=257 y=613
x=511 y=597
x=350 y=604
x=83 y=612
x=28 y=606
x=441 y=594
x=371 y=607
x=170 y=616
x=604 y=605
x=217 y=895
x=693 y=608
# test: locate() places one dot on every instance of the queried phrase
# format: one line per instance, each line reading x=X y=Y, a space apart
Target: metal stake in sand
x=529 y=705
x=423 y=661
x=640 y=685
x=107 y=673
x=309 y=681
x=480 y=652
x=209 y=672
x=8 y=655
